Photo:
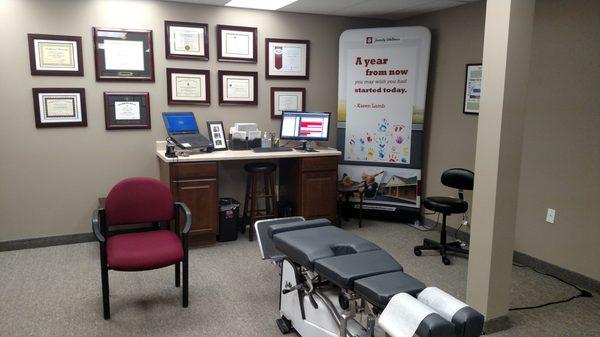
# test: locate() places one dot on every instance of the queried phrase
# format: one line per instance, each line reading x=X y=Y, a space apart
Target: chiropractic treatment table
x=334 y=283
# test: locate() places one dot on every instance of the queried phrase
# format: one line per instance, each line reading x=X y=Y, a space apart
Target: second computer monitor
x=305 y=126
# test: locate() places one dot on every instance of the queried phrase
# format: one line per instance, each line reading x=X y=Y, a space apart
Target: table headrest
x=294 y=226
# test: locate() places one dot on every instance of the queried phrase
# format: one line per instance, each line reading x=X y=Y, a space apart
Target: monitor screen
x=296 y=125
x=180 y=122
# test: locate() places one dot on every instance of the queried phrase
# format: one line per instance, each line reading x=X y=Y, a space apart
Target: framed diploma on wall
x=236 y=44
x=287 y=59
x=472 y=89
x=123 y=54
x=59 y=107
x=217 y=135
x=55 y=55
x=188 y=86
x=127 y=110
x=238 y=88
x=186 y=40
x=287 y=99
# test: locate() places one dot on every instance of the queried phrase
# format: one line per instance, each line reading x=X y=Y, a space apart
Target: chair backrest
x=138 y=200
x=458 y=178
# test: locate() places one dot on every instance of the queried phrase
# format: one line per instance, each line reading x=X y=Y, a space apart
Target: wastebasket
x=229 y=211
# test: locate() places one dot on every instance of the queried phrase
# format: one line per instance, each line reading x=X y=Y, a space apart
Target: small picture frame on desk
x=287 y=59
x=188 y=86
x=55 y=55
x=287 y=99
x=59 y=107
x=123 y=54
x=217 y=135
x=236 y=44
x=186 y=40
x=127 y=110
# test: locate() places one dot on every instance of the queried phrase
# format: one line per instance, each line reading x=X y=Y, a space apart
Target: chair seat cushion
x=446 y=205
x=143 y=251
x=260 y=167
x=343 y=270
x=379 y=289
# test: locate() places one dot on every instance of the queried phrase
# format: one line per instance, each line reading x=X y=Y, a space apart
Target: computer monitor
x=305 y=126
x=180 y=122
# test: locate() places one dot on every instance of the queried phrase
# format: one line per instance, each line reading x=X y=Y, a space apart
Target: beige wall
x=561 y=143
x=50 y=179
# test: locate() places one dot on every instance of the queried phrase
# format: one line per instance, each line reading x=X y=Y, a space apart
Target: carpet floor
x=55 y=291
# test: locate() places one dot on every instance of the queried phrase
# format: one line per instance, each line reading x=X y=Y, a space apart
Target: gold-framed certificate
x=55 y=55
x=59 y=107
x=238 y=88
x=186 y=40
x=188 y=86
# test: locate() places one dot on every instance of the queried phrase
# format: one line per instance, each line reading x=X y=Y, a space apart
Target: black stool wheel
x=284 y=325
x=417 y=252
x=446 y=260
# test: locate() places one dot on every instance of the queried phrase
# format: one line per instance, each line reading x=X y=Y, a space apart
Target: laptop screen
x=180 y=122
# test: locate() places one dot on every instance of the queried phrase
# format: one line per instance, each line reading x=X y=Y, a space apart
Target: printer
x=244 y=136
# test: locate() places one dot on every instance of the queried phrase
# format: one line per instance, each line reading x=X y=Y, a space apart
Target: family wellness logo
x=384 y=40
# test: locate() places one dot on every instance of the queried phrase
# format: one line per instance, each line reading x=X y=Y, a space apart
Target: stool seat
x=259 y=167
x=446 y=205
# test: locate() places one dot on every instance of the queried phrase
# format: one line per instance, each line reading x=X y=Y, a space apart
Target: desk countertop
x=242 y=155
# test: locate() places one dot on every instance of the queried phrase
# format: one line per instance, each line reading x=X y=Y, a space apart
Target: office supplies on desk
x=244 y=136
x=183 y=130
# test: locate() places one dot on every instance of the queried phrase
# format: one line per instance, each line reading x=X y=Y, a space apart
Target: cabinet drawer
x=183 y=171
x=319 y=164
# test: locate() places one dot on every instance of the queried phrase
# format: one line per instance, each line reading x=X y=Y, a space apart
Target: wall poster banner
x=381 y=105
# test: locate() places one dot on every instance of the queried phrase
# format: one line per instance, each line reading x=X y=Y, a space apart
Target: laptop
x=183 y=129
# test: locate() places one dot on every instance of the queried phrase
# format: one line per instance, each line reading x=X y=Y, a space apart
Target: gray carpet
x=55 y=291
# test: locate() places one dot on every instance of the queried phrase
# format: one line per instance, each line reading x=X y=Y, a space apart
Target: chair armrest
x=188 y=216
x=96 y=225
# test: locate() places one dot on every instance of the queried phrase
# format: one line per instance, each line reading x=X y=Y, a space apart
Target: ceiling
x=381 y=9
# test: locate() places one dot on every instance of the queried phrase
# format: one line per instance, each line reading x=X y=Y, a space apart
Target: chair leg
x=185 y=273
x=273 y=198
x=105 y=292
x=360 y=210
x=246 y=200
x=252 y=208
x=177 y=274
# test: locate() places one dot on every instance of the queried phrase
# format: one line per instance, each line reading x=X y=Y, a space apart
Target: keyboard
x=272 y=149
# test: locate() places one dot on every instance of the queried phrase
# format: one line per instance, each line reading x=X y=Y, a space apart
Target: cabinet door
x=319 y=194
x=201 y=196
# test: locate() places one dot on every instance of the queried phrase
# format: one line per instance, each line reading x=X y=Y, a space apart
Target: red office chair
x=138 y=201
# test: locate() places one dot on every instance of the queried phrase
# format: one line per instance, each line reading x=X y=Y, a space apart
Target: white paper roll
x=402 y=316
x=445 y=304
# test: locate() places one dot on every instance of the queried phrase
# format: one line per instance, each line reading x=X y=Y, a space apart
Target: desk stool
x=255 y=172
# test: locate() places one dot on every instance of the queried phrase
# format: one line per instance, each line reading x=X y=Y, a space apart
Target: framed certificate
x=186 y=40
x=123 y=55
x=287 y=59
x=188 y=86
x=472 y=89
x=55 y=55
x=287 y=99
x=236 y=44
x=127 y=110
x=238 y=87
x=217 y=134
x=59 y=107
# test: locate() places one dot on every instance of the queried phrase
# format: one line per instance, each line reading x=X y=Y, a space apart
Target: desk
x=307 y=182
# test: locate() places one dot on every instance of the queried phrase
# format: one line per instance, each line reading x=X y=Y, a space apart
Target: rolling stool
x=251 y=212
x=460 y=179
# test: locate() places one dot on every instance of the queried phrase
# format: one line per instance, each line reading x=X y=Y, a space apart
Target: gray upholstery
x=309 y=245
x=297 y=225
x=435 y=325
x=343 y=270
x=467 y=322
x=379 y=289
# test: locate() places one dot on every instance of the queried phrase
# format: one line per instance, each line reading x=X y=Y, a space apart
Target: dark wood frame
x=170 y=100
x=253 y=74
x=288 y=77
x=222 y=58
x=32 y=64
x=288 y=89
x=36 y=106
x=125 y=127
x=169 y=24
x=210 y=134
x=465 y=89
x=98 y=54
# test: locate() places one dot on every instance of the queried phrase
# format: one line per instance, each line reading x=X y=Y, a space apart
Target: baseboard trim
x=46 y=241
x=496 y=325
x=580 y=280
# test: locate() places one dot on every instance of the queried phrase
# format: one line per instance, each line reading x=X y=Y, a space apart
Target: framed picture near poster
x=186 y=40
x=287 y=59
x=188 y=86
x=238 y=87
x=472 y=89
x=217 y=134
x=55 y=55
x=59 y=107
x=127 y=110
x=123 y=54
x=236 y=44
x=287 y=99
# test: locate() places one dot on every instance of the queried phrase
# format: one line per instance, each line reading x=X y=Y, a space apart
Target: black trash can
x=229 y=212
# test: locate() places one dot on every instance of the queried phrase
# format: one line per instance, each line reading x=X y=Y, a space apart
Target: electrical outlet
x=550 y=215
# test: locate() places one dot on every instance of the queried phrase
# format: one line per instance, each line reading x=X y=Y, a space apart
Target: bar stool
x=256 y=171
